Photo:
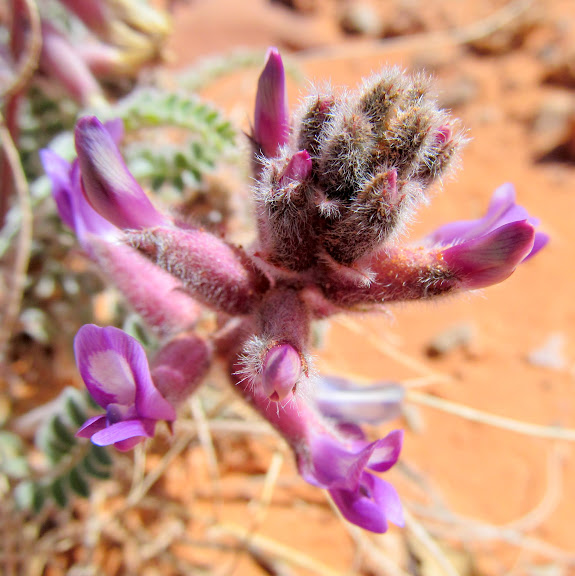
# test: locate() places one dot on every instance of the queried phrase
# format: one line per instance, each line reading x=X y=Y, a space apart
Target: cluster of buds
x=335 y=184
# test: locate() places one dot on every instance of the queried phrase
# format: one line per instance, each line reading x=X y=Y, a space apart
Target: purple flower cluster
x=335 y=184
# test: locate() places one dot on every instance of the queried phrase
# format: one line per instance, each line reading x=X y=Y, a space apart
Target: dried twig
x=207 y=443
x=418 y=531
x=16 y=279
x=30 y=62
x=288 y=555
x=474 y=415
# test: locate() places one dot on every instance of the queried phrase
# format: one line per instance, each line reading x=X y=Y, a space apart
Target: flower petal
x=371 y=506
x=502 y=210
x=541 y=240
x=109 y=186
x=386 y=451
x=271 y=117
x=347 y=401
x=280 y=372
x=58 y=171
x=86 y=220
x=110 y=362
x=91 y=426
x=140 y=428
x=388 y=499
x=334 y=465
x=492 y=258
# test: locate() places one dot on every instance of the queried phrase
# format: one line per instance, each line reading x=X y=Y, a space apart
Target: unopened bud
x=281 y=371
x=110 y=188
x=271 y=117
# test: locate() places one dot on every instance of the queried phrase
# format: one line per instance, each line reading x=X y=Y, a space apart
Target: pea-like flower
x=345 y=469
x=115 y=370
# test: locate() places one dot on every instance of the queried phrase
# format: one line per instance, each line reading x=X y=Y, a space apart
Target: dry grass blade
x=422 y=536
x=290 y=556
x=474 y=415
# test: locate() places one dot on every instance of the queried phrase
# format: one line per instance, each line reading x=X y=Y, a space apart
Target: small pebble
x=458 y=336
x=551 y=354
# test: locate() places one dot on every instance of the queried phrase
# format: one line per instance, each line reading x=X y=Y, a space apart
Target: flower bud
x=271 y=116
x=180 y=366
x=492 y=258
x=110 y=188
x=60 y=61
x=281 y=370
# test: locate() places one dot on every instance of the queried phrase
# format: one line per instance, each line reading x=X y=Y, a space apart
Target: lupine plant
x=336 y=183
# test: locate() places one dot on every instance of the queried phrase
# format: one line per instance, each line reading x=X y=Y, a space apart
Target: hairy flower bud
x=179 y=367
x=281 y=370
x=284 y=199
x=373 y=155
x=271 y=117
x=275 y=357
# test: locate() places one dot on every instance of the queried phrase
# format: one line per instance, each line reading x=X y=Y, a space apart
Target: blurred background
x=485 y=493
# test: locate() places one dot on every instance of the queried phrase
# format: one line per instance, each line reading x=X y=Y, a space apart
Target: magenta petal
x=388 y=498
x=110 y=362
x=107 y=183
x=86 y=220
x=297 y=169
x=541 y=240
x=371 y=506
x=492 y=258
x=333 y=466
x=386 y=451
x=271 y=117
x=124 y=430
x=115 y=128
x=91 y=426
x=58 y=171
x=502 y=210
x=150 y=403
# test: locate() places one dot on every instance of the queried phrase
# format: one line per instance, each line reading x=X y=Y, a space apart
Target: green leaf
x=95 y=469
x=101 y=455
x=59 y=491
x=61 y=433
x=75 y=412
x=78 y=483
x=29 y=495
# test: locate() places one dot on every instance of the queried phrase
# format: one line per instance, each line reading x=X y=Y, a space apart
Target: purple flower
x=490 y=259
x=72 y=205
x=340 y=461
x=349 y=403
x=271 y=117
x=343 y=468
x=502 y=210
x=115 y=370
x=152 y=292
x=108 y=184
